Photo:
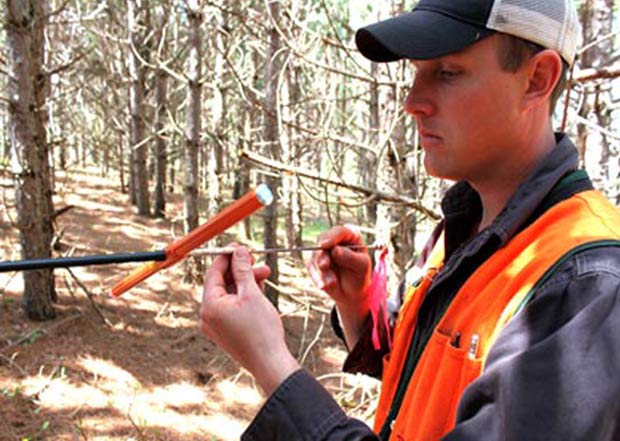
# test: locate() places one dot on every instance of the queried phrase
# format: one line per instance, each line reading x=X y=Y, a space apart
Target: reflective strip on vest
x=479 y=311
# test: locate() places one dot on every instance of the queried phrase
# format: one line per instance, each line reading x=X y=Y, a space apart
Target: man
x=512 y=332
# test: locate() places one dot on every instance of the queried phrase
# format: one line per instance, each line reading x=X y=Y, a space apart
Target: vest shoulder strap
x=587 y=246
x=572 y=183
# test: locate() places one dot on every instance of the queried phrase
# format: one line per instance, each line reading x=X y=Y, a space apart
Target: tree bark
x=242 y=170
x=368 y=160
x=159 y=197
x=25 y=24
x=159 y=206
x=190 y=200
x=272 y=148
x=6 y=143
x=137 y=72
x=121 y=161
x=596 y=17
x=192 y=144
x=219 y=116
x=290 y=183
x=396 y=176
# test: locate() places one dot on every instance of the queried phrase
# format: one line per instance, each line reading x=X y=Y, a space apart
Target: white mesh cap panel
x=551 y=23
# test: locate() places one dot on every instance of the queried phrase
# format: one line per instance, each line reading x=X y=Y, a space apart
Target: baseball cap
x=435 y=28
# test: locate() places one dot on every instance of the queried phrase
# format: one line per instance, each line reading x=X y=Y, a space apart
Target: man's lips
x=427 y=134
x=429 y=139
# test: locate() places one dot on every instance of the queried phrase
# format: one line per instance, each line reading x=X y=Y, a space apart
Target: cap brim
x=417 y=35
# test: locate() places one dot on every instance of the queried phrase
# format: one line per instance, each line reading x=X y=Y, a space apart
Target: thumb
x=351 y=259
x=242 y=270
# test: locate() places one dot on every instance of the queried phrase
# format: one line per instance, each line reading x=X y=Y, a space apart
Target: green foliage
x=15 y=393
x=312 y=228
x=33 y=337
x=44 y=426
x=328 y=16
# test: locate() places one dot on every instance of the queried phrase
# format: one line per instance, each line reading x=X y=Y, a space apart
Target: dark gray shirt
x=552 y=374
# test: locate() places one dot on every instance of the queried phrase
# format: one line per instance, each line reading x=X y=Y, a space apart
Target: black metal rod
x=64 y=262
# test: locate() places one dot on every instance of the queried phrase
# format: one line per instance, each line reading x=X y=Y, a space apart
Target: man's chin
x=437 y=171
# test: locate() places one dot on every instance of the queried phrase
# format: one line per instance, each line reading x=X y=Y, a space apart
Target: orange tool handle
x=177 y=250
x=137 y=276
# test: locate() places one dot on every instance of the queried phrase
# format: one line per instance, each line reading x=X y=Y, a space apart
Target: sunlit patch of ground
x=145 y=373
x=108 y=389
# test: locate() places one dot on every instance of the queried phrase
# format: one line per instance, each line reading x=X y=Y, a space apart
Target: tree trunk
x=121 y=161
x=59 y=132
x=368 y=160
x=397 y=177
x=596 y=18
x=6 y=143
x=272 y=148
x=190 y=200
x=25 y=23
x=292 y=203
x=159 y=205
x=402 y=235
x=219 y=116
x=242 y=171
x=172 y=167
x=137 y=72
x=193 y=268
x=250 y=113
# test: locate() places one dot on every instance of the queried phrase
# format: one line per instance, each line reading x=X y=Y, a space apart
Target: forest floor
x=136 y=367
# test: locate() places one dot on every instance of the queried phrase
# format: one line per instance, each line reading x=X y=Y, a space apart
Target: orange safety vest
x=482 y=307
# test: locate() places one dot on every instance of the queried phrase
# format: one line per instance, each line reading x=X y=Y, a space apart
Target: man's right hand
x=344 y=274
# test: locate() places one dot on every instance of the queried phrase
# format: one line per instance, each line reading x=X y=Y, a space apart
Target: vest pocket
x=443 y=373
x=461 y=364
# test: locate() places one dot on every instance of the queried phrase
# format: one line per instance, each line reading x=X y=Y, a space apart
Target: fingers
x=321 y=274
x=355 y=260
x=326 y=265
x=215 y=276
x=320 y=265
x=261 y=273
x=242 y=271
x=339 y=235
x=333 y=255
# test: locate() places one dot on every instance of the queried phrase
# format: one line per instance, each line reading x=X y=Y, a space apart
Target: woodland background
x=126 y=123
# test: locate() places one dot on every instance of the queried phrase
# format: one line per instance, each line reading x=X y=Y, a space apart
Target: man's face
x=467 y=109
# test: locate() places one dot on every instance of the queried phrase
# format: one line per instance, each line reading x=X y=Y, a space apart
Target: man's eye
x=448 y=74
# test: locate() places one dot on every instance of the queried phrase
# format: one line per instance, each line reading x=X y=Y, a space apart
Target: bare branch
x=387 y=197
x=300 y=128
x=65 y=66
x=598 y=73
x=57 y=10
x=598 y=128
x=90 y=297
x=163 y=66
x=598 y=41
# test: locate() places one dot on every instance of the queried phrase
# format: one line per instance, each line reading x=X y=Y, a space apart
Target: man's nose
x=418 y=101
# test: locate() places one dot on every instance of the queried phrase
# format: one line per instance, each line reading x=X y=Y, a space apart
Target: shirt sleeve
x=553 y=373
x=363 y=358
x=301 y=409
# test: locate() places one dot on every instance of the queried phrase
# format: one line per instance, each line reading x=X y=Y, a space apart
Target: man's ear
x=543 y=72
